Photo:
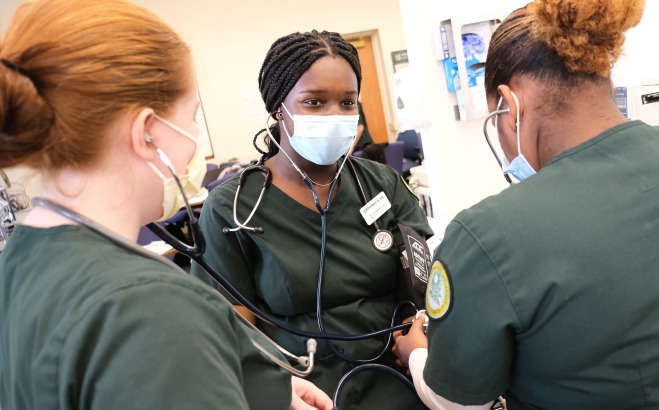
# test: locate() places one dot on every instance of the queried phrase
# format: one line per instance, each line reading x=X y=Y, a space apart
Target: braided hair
x=287 y=60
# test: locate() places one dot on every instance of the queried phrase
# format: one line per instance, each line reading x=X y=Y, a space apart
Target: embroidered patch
x=439 y=294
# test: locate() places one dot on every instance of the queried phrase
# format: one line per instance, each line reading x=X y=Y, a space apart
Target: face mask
x=322 y=139
x=191 y=180
x=519 y=167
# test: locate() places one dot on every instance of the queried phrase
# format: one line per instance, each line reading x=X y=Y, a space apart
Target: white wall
x=230 y=39
x=461 y=169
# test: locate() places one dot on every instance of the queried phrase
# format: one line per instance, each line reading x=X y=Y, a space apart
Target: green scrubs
x=555 y=285
x=278 y=271
x=85 y=324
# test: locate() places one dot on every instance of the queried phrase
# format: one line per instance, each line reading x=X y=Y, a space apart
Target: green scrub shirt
x=555 y=285
x=278 y=271
x=85 y=324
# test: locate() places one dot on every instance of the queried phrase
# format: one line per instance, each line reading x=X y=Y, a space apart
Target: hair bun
x=25 y=119
x=587 y=34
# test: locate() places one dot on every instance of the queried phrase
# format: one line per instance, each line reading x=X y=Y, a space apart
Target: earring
x=280 y=115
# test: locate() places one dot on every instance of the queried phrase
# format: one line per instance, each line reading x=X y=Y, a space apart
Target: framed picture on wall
x=399 y=59
x=204 y=135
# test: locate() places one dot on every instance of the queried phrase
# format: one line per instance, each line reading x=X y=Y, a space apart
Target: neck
x=106 y=195
x=282 y=167
x=591 y=111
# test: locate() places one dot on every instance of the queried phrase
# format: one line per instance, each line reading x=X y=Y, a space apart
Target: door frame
x=382 y=83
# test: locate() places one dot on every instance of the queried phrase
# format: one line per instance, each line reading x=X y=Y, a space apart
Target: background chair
x=413 y=155
x=394 y=153
x=391 y=153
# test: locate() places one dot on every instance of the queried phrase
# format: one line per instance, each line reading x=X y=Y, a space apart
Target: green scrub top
x=85 y=324
x=555 y=285
x=278 y=271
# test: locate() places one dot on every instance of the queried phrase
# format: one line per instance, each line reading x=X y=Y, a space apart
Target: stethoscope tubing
x=195 y=252
x=321 y=268
x=273 y=321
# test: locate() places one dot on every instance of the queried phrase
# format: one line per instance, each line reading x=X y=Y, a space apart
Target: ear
x=140 y=135
x=513 y=102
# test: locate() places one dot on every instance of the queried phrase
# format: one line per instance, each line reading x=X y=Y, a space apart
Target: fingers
x=306 y=396
x=417 y=325
x=298 y=404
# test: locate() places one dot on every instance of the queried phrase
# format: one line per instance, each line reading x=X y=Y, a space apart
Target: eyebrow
x=314 y=91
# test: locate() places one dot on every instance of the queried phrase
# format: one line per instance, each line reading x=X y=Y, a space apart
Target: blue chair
x=394 y=153
x=146 y=236
x=413 y=150
x=411 y=141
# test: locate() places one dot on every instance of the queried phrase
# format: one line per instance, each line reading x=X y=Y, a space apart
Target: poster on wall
x=204 y=136
x=399 y=59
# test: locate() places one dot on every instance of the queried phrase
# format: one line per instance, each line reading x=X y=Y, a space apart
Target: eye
x=349 y=106
x=313 y=102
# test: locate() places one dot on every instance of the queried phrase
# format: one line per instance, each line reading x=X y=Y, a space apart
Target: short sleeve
x=471 y=348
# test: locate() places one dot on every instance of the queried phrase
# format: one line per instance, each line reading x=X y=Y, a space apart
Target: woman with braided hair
x=310 y=84
x=547 y=292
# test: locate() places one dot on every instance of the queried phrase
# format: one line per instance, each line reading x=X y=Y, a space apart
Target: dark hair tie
x=16 y=68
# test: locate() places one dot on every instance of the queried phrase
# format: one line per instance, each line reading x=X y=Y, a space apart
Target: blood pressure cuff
x=415 y=259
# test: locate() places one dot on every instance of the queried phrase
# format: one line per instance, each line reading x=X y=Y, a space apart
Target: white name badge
x=375 y=208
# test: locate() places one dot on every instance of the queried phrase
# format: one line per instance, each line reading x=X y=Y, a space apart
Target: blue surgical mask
x=519 y=167
x=322 y=139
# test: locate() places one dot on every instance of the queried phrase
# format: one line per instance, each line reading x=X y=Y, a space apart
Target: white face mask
x=191 y=180
x=322 y=139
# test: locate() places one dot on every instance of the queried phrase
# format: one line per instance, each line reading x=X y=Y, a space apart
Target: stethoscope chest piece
x=383 y=240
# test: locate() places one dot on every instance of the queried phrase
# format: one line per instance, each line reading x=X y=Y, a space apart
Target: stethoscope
x=195 y=252
x=382 y=241
x=307 y=362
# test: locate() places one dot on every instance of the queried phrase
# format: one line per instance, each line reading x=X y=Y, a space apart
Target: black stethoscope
x=196 y=251
x=382 y=239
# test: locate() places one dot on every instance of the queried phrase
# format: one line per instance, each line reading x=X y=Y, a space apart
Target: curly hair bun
x=587 y=34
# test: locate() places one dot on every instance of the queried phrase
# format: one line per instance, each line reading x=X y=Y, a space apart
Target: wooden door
x=371 y=97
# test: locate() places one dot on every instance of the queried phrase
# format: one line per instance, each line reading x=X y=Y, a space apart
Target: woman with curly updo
x=547 y=293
